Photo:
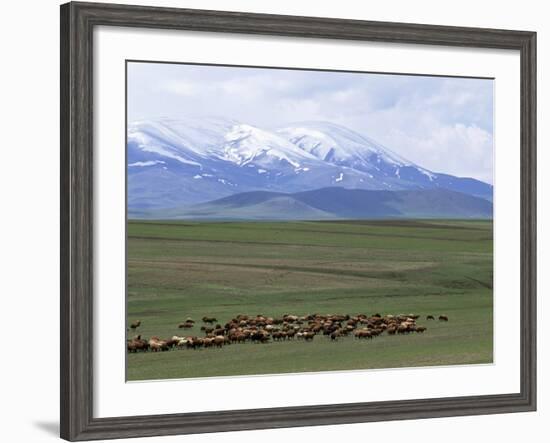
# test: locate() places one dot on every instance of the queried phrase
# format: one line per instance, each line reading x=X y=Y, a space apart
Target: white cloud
x=181 y=88
x=465 y=151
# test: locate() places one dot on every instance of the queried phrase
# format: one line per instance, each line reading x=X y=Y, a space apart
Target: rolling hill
x=337 y=203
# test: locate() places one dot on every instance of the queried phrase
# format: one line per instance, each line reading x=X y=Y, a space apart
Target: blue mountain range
x=175 y=167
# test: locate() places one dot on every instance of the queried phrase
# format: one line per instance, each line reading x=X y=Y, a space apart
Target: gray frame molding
x=77 y=24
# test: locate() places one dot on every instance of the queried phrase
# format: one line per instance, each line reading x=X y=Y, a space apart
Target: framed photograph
x=273 y=221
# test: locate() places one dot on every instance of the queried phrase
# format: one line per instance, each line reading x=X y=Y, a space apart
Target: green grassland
x=191 y=269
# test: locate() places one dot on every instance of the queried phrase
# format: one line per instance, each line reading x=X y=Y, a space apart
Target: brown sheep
x=137 y=344
x=241 y=337
x=197 y=342
x=219 y=341
x=363 y=333
x=171 y=342
x=157 y=345
x=135 y=325
x=260 y=336
x=261 y=329
x=403 y=328
x=375 y=332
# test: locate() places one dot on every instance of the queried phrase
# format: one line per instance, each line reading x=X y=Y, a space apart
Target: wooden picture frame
x=77 y=23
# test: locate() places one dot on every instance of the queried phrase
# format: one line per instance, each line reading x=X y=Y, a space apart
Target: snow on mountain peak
x=198 y=141
x=198 y=135
x=340 y=145
x=245 y=144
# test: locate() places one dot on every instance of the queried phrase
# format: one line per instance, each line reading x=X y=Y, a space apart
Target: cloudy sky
x=443 y=124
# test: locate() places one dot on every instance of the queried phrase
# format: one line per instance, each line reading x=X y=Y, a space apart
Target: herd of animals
x=263 y=329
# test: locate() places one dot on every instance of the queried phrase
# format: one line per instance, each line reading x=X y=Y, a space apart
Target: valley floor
x=427 y=267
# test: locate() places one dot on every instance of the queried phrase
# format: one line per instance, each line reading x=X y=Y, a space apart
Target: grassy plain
x=221 y=269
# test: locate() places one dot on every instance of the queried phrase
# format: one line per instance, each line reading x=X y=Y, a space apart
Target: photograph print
x=292 y=220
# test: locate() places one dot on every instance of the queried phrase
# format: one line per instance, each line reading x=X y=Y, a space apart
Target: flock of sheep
x=263 y=329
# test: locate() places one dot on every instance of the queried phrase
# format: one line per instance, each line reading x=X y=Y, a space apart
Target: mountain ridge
x=184 y=162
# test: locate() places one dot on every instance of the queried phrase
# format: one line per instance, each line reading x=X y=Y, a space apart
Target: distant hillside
x=336 y=203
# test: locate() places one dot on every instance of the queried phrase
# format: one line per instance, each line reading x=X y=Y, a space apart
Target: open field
x=191 y=269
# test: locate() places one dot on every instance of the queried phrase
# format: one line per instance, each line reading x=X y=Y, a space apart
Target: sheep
x=262 y=329
x=260 y=336
x=135 y=325
x=219 y=341
x=182 y=342
x=157 y=345
x=363 y=333
x=137 y=344
x=241 y=337
x=403 y=328
x=195 y=342
x=171 y=342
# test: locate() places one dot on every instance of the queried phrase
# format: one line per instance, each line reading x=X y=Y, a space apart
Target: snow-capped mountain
x=341 y=146
x=336 y=144
x=173 y=163
x=245 y=144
